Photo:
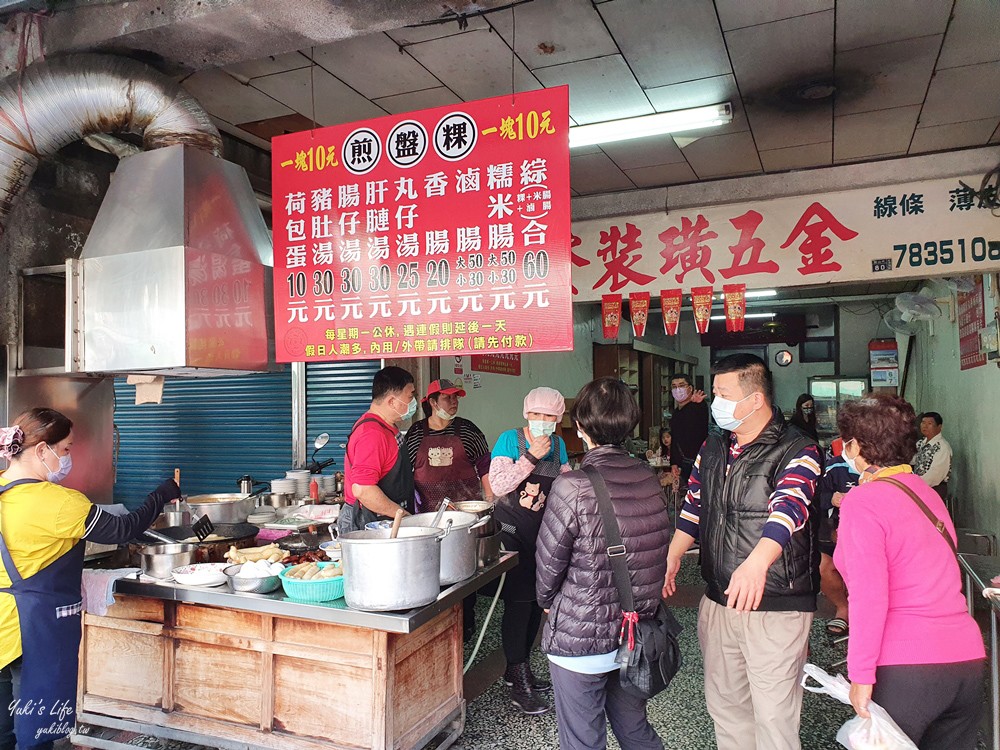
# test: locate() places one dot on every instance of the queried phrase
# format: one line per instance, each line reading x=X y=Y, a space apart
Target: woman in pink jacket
x=913 y=649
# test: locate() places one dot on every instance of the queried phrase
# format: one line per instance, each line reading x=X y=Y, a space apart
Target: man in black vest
x=749 y=502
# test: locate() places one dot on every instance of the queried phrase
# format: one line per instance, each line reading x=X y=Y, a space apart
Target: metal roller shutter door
x=213 y=429
x=337 y=393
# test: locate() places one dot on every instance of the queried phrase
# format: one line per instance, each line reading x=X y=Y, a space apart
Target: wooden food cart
x=228 y=670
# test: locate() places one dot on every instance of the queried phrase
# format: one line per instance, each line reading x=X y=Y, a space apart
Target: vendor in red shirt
x=378 y=477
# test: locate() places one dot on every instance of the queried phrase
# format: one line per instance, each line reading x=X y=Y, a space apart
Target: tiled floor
x=678 y=714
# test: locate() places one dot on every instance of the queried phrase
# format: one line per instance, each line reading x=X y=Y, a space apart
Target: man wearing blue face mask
x=749 y=502
x=378 y=476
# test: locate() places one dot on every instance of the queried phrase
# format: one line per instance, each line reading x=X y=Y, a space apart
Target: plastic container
x=322 y=590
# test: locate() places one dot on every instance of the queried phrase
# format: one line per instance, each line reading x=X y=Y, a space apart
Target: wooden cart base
x=250 y=681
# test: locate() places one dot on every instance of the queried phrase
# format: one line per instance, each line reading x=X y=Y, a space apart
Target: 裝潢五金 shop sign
x=434 y=233
x=889 y=233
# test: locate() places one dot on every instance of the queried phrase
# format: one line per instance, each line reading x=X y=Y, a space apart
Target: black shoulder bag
x=648 y=653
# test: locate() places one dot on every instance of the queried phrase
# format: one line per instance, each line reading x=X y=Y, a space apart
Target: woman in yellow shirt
x=42 y=531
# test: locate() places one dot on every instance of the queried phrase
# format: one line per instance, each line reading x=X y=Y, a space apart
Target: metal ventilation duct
x=173 y=276
x=59 y=101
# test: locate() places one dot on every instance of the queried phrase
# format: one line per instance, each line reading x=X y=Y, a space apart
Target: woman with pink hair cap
x=524 y=463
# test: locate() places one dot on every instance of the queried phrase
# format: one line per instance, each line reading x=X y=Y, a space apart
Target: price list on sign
x=436 y=233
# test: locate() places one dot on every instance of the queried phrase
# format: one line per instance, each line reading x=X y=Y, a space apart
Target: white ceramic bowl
x=200 y=574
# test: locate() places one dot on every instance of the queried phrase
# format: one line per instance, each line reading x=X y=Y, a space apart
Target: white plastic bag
x=879 y=732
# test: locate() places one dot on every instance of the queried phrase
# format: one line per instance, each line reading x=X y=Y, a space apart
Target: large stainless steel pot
x=480 y=509
x=222 y=508
x=383 y=574
x=460 y=549
x=158 y=560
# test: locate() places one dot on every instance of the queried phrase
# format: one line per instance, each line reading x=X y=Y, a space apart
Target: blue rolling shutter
x=337 y=393
x=213 y=429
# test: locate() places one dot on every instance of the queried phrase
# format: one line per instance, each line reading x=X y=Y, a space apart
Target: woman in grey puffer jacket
x=575 y=582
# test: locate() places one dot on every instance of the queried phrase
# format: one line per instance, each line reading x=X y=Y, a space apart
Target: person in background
x=914 y=648
x=688 y=427
x=662 y=453
x=932 y=460
x=749 y=501
x=378 y=476
x=838 y=477
x=446 y=452
x=804 y=417
x=526 y=461
x=42 y=539
x=575 y=578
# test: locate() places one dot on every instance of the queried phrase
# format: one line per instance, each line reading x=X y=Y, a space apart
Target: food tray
x=200 y=574
x=323 y=590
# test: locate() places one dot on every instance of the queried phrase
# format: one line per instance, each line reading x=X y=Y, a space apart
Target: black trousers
x=586 y=703
x=10 y=688
x=939 y=706
x=518 y=629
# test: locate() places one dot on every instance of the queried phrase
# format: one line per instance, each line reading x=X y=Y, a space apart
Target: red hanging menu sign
x=971 y=319
x=440 y=232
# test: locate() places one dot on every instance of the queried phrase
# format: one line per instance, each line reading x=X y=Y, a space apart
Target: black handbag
x=649 y=654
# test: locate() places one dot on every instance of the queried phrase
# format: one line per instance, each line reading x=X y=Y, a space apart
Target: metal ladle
x=445 y=504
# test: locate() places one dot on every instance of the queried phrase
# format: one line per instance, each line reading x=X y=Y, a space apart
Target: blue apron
x=48 y=607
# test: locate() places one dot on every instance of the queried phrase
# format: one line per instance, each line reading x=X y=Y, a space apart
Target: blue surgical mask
x=723 y=410
x=410 y=410
x=541 y=427
x=65 y=466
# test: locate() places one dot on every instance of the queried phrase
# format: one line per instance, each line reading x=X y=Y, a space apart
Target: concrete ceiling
x=908 y=76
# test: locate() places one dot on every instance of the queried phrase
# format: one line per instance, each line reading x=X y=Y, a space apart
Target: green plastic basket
x=322 y=590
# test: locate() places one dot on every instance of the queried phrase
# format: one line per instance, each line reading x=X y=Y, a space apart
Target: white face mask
x=851 y=462
x=541 y=427
x=65 y=466
x=442 y=414
x=586 y=440
x=723 y=410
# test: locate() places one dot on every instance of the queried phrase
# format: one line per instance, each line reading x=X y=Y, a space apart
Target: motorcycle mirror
x=321 y=440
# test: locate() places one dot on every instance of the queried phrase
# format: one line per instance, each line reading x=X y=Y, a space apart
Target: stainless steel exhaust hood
x=174 y=278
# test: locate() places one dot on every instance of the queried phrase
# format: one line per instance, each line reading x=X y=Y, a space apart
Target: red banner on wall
x=445 y=231
x=500 y=364
x=611 y=315
x=638 y=307
x=701 y=303
x=971 y=319
x=670 y=306
x=735 y=304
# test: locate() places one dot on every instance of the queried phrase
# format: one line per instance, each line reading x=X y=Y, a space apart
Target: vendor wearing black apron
x=43 y=529
x=378 y=477
x=525 y=463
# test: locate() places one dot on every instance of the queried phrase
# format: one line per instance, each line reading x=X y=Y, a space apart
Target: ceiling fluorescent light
x=748 y=316
x=754 y=294
x=678 y=121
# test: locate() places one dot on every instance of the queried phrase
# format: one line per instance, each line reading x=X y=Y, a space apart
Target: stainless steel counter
x=336 y=612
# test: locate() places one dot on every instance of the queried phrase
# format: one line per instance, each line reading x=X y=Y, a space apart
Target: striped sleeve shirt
x=788 y=506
